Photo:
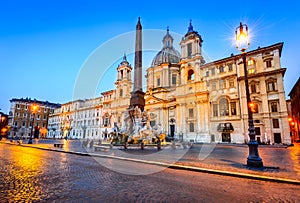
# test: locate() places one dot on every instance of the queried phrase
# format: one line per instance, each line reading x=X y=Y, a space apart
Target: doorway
x=277 y=138
x=172 y=130
x=226 y=137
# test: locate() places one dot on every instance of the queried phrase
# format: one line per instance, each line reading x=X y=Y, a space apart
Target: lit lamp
x=242 y=44
x=1 y=124
x=34 y=109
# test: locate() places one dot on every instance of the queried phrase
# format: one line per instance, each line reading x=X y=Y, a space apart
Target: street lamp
x=1 y=124
x=34 y=109
x=243 y=43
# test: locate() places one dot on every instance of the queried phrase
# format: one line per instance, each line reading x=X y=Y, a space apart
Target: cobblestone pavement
x=280 y=161
x=33 y=175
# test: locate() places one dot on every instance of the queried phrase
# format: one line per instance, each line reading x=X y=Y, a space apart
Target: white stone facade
x=191 y=99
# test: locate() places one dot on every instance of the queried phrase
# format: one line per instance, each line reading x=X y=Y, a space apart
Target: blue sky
x=44 y=44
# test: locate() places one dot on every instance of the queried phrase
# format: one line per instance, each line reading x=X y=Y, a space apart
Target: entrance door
x=226 y=137
x=172 y=129
x=277 y=138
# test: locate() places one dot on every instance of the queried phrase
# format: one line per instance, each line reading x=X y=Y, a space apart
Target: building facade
x=94 y=118
x=198 y=101
x=295 y=110
x=22 y=119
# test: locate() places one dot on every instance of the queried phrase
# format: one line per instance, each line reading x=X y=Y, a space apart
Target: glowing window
x=251 y=71
x=250 y=62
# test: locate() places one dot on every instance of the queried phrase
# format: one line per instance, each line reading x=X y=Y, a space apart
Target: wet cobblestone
x=33 y=175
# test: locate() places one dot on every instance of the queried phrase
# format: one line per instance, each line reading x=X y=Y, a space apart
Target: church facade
x=189 y=98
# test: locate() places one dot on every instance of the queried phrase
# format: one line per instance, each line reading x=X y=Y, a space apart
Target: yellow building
x=22 y=118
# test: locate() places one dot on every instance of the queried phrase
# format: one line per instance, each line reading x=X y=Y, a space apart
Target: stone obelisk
x=137 y=95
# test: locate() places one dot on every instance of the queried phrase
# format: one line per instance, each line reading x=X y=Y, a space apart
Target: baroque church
x=190 y=99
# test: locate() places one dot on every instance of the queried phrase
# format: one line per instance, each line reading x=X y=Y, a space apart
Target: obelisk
x=137 y=95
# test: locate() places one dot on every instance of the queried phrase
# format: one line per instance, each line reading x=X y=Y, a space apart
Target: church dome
x=168 y=54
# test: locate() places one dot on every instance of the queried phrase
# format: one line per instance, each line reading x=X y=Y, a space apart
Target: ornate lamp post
x=242 y=44
x=34 y=109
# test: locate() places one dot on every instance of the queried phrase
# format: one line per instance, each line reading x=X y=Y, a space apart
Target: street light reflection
x=295 y=156
x=27 y=166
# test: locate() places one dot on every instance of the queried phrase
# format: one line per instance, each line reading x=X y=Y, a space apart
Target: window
x=25 y=107
x=275 y=123
x=207 y=73
x=24 y=115
x=250 y=62
x=274 y=106
x=191 y=113
x=17 y=115
x=16 y=124
x=173 y=79
x=214 y=86
x=215 y=109
x=254 y=107
x=38 y=117
x=269 y=63
x=257 y=131
x=271 y=86
x=224 y=107
x=192 y=127
x=213 y=71
x=233 y=108
x=158 y=82
x=18 y=106
x=251 y=70
x=190 y=75
x=45 y=109
x=221 y=69
x=23 y=124
x=121 y=74
x=44 y=117
x=230 y=67
x=121 y=92
x=222 y=84
x=253 y=88
x=189 y=49
x=106 y=121
x=231 y=83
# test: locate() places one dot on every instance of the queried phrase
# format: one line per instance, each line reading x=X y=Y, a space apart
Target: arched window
x=224 y=107
x=191 y=75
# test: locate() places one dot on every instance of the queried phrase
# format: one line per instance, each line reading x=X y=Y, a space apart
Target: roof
x=29 y=100
x=294 y=87
x=252 y=52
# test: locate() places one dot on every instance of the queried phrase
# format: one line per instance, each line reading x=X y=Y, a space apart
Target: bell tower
x=124 y=82
x=191 y=44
